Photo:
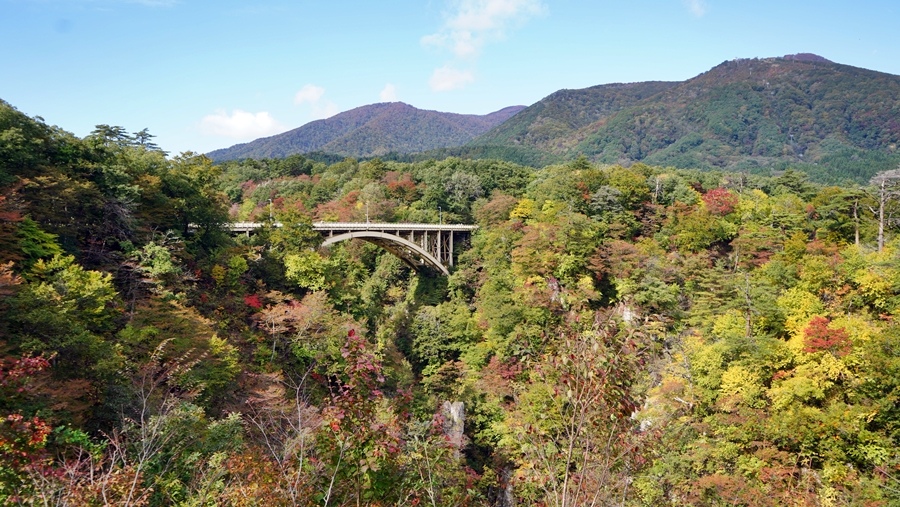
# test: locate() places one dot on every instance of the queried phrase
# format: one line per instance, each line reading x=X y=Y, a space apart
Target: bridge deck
x=361 y=226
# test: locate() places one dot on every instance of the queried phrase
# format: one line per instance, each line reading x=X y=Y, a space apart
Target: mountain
x=549 y=125
x=802 y=111
x=373 y=130
x=834 y=121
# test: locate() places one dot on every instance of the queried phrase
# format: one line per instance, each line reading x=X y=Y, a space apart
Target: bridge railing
x=360 y=226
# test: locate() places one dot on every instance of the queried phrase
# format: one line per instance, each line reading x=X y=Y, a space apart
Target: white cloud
x=473 y=23
x=697 y=7
x=389 y=93
x=240 y=124
x=449 y=78
x=319 y=107
x=324 y=109
x=309 y=93
x=468 y=27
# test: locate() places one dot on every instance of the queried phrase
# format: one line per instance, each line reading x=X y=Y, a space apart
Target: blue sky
x=203 y=75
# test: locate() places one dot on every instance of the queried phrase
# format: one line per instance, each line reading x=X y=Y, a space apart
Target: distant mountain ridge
x=836 y=122
x=373 y=130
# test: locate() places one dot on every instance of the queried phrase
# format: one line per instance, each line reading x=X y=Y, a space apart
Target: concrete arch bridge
x=421 y=246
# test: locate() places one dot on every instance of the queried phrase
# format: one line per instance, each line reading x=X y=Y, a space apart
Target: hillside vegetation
x=551 y=124
x=837 y=123
x=616 y=335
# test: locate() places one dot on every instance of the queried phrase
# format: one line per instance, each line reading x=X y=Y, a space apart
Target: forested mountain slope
x=634 y=336
x=371 y=131
x=834 y=121
x=551 y=124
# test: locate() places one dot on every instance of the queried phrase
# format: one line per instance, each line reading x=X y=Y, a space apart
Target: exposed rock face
x=507 y=499
x=454 y=423
x=628 y=312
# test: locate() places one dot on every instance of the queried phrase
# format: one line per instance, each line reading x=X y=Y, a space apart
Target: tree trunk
x=881 y=200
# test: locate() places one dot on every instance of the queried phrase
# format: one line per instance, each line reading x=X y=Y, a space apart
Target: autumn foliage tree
x=22 y=436
x=720 y=201
x=572 y=436
x=821 y=338
x=362 y=432
x=752 y=359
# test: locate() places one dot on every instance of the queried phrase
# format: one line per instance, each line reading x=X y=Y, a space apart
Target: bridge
x=432 y=246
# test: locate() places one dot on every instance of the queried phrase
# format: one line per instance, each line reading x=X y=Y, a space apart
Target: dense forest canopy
x=616 y=335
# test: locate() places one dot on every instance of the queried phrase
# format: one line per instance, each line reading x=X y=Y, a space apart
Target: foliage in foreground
x=617 y=336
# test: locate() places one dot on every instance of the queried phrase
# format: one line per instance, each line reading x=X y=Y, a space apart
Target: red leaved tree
x=22 y=438
x=720 y=201
x=818 y=337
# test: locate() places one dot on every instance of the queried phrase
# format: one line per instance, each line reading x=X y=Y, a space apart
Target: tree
x=308 y=269
x=22 y=438
x=36 y=244
x=572 y=434
x=295 y=235
x=109 y=134
x=187 y=195
x=837 y=213
x=284 y=423
x=720 y=201
x=887 y=191
x=362 y=434
x=819 y=337
x=143 y=138
x=462 y=189
x=65 y=309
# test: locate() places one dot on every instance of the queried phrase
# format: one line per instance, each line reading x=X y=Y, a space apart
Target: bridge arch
x=412 y=254
x=432 y=247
